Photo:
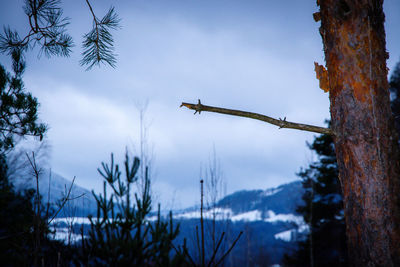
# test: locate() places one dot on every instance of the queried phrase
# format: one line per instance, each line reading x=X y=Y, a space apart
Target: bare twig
x=65 y=200
x=216 y=249
x=13 y=235
x=202 y=225
x=229 y=250
x=96 y=23
x=37 y=212
x=198 y=241
x=73 y=198
x=281 y=123
x=48 y=197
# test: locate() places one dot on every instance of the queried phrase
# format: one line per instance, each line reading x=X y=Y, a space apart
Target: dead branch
x=281 y=123
x=216 y=249
x=64 y=201
x=229 y=250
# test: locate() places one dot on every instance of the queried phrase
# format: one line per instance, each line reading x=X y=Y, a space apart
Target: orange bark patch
x=322 y=76
x=317 y=16
x=361 y=91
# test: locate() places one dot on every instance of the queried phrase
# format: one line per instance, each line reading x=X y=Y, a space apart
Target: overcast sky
x=250 y=55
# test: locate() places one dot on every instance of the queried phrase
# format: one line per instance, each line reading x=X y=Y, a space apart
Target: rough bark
x=365 y=139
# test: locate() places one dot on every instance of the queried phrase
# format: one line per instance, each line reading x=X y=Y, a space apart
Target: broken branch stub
x=281 y=123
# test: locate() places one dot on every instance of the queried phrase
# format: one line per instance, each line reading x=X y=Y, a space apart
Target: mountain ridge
x=267 y=217
x=257 y=204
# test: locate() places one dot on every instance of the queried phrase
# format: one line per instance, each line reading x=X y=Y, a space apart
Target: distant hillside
x=268 y=219
x=253 y=205
x=282 y=199
x=81 y=205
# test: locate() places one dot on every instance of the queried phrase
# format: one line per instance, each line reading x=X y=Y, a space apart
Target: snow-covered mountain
x=254 y=205
x=273 y=205
x=268 y=218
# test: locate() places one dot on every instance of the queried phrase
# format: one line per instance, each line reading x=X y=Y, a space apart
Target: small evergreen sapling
x=122 y=234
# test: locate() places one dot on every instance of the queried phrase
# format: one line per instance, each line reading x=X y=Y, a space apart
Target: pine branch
x=47 y=29
x=98 y=44
x=281 y=123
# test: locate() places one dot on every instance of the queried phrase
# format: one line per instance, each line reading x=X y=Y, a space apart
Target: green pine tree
x=18 y=109
x=325 y=244
x=394 y=87
x=122 y=233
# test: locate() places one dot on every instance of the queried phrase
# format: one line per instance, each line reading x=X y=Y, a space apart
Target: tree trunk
x=353 y=35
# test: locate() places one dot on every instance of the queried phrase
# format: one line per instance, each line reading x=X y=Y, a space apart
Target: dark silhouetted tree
x=25 y=238
x=18 y=119
x=15 y=227
x=123 y=234
x=325 y=243
x=394 y=87
x=18 y=109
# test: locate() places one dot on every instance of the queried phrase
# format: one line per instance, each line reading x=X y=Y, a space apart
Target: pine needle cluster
x=47 y=30
x=98 y=44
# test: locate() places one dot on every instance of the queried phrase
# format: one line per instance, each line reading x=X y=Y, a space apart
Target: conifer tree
x=325 y=243
x=122 y=233
x=394 y=87
x=18 y=119
x=18 y=109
